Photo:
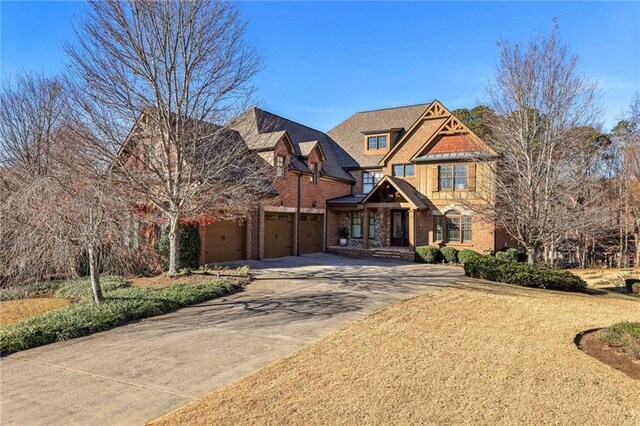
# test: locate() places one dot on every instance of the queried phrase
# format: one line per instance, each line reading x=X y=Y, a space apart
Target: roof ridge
x=289 y=120
x=398 y=107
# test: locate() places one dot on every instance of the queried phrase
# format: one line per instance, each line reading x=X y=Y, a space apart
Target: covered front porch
x=385 y=222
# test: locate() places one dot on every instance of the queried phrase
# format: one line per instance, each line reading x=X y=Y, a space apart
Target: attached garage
x=311 y=233
x=225 y=240
x=278 y=235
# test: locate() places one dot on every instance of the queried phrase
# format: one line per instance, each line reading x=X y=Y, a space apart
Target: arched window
x=453 y=227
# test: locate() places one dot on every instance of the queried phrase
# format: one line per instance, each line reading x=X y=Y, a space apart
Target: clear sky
x=325 y=61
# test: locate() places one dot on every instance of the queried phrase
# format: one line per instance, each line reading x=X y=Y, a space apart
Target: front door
x=399 y=228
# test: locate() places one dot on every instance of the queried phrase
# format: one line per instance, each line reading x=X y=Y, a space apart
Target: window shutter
x=471 y=178
x=435 y=176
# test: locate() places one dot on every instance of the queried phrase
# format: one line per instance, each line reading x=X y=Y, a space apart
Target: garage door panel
x=225 y=241
x=311 y=233
x=278 y=235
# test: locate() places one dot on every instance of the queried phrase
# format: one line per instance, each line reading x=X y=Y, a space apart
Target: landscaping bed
x=123 y=303
x=617 y=346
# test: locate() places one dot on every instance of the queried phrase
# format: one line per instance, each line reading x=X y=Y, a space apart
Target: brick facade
x=423 y=138
x=298 y=193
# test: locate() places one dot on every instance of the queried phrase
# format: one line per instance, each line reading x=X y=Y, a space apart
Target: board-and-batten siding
x=427 y=181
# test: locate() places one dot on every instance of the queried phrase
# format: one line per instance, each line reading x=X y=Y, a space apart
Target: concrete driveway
x=137 y=372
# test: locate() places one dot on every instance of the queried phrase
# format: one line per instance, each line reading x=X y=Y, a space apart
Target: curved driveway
x=137 y=372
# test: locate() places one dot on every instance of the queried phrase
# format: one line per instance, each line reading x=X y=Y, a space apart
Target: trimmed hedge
x=466 y=254
x=522 y=274
x=450 y=254
x=510 y=255
x=428 y=254
x=122 y=304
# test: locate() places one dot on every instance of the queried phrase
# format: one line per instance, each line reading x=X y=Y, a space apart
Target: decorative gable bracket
x=452 y=126
x=435 y=110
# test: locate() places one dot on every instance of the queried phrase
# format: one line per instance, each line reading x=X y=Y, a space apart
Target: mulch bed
x=612 y=356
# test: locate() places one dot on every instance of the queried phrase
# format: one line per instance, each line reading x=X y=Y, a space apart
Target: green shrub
x=466 y=254
x=633 y=285
x=625 y=336
x=122 y=304
x=523 y=274
x=188 y=244
x=450 y=254
x=428 y=254
x=513 y=254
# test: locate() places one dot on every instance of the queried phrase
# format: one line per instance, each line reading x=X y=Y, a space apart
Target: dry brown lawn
x=606 y=277
x=478 y=353
x=12 y=311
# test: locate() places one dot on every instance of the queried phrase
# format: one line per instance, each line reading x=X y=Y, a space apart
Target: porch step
x=389 y=254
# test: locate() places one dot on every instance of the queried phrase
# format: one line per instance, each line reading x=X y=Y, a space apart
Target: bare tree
x=540 y=101
x=180 y=70
x=55 y=221
x=59 y=205
x=32 y=110
x=627 y=136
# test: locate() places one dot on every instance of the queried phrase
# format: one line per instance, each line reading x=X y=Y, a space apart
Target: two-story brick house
x=306 y=172
x=417 y=169
x=396 y=178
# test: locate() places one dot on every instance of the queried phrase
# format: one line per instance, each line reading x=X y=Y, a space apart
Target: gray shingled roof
x=348 y=199
x=349 y=134
x=255 y=122
x=452 y=156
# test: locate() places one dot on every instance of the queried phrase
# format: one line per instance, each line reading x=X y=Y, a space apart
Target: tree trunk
x=95 y=278
x=174 y=249
x=532 y=253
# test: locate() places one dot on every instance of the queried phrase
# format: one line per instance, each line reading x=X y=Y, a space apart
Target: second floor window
x=376 y=142
x=403 y=170
x=280 y=166
x=369 y=180
x=460 y=176
x=314 y=172
x=453 y=177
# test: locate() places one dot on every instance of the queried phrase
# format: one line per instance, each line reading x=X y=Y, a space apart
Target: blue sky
x=325 y=61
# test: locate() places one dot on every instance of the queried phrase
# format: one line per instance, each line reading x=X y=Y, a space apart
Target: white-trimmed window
x=453 y=177
x=453 y=227
x=314 y=172
x=369 y=180
x=280 y=166
x=460 y=176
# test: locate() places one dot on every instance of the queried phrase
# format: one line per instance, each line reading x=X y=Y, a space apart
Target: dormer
x=378 y=142
x=313 y=156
